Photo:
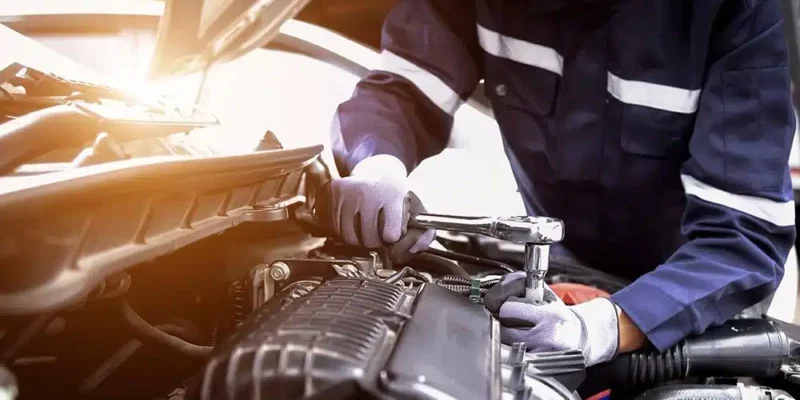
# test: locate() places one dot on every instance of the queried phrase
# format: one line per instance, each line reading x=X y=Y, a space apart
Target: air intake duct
x=755 y=348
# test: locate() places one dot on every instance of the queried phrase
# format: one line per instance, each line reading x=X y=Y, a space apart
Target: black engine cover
x=355 y=338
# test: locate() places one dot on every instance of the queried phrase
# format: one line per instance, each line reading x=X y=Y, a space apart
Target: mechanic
x=659 y=131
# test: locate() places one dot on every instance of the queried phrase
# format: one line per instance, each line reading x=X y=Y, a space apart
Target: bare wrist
x=630 y=336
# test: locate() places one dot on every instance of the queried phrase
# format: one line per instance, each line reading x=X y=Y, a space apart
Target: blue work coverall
x=658 y=130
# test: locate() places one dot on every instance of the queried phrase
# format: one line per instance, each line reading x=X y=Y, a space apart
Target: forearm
x=718 y=273
x=377 y=120
x=405 y=106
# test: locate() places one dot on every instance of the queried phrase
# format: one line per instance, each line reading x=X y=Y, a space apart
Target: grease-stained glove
x=372 y=207
x=591 y=327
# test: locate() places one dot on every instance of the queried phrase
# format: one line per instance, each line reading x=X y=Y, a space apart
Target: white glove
x=591 y=327
x=372 y=207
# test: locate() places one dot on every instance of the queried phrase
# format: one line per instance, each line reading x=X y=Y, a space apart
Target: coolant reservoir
x=575 y=293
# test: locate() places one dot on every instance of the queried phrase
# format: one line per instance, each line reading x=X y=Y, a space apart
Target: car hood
x=193 y=35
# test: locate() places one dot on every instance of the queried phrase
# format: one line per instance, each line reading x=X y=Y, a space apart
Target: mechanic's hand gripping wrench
x=537 y=233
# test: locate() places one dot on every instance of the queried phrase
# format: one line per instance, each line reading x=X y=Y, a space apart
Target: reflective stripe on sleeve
x=779 y=213
x=429 y=84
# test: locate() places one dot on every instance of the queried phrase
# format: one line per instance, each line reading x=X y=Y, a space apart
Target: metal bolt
x=279 y=271
x=377 y=263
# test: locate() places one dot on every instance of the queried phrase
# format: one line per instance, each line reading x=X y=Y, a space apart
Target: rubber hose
x=705 y=392
x=123 y=354
x=435 y=264
x=637 y=370
x=149 y=333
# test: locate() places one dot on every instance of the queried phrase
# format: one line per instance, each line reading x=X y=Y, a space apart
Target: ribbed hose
x=763 y=344
x=638 y=370
x=651 y=368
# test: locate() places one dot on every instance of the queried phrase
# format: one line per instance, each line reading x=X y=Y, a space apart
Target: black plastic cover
x=355 y=338
x=446 y=346
x=66 y=231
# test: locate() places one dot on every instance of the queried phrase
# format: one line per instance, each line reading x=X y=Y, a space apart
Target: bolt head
x=279 y=271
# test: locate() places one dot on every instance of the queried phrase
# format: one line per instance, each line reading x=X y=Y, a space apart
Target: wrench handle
x=479 y=225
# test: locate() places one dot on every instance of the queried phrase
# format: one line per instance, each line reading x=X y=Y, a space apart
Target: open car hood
x=194 y=34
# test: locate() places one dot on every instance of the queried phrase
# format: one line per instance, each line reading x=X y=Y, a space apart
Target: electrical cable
x=149 y=333
x=471 y=259
x=463 y=290
x=437 y=264
x=458 y=280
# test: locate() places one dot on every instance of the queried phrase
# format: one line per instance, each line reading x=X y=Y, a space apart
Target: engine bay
x=138 y=266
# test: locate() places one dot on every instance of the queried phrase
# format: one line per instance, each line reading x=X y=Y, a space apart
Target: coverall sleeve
x=739 y=217
x=427 y=70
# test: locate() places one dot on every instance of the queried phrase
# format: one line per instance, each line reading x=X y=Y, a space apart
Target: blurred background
x=293 y=95
x=290 y=94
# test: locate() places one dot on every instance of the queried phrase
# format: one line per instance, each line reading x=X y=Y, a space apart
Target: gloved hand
x=372 y=207
x=590 y=327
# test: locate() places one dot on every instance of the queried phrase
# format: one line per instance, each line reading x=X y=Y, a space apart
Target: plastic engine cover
x=354 y=338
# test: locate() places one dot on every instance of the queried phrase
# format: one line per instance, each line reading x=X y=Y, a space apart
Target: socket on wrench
x=537 y=233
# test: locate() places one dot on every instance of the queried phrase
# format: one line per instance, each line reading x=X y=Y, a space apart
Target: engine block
x=359 y=338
